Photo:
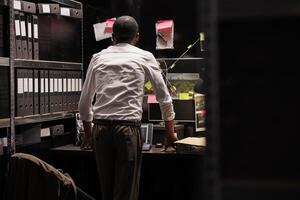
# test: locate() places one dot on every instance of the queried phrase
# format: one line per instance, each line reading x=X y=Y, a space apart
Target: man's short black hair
x=125 y=28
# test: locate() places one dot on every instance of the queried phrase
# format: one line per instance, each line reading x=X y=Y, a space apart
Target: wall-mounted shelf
x=71 y=3
x=44 y=64
x=174 y=59
x=43 y=118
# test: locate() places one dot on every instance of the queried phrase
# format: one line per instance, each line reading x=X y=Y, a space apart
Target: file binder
x=78 y=88
x=46 y=92
x=4 y=93
x=69 y=90
x=23 y=36
x=29 y=36
x=73 y=88
x=52 y=91
x=42 y=92
x=36 y=102
x=35 y=37
x=65 y=91
x=25 y=85
x=59 y=91
x=29 y=92
x=18 y=35
x=20 y=92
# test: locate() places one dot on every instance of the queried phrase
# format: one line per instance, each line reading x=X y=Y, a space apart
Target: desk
x=164 y=175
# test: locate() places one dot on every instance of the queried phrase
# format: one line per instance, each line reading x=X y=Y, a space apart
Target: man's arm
x=171 y=136
x=85 y=106
x=87 y=141
x=163 y=97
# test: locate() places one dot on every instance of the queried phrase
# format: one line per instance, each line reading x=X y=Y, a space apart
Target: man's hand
x=87 y=140
x=169 y=141
x=171 y=136
x=87 y=143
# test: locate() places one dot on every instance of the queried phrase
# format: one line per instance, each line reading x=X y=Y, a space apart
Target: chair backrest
x=31 y=178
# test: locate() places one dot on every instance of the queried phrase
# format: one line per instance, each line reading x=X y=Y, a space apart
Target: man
x=117 y=76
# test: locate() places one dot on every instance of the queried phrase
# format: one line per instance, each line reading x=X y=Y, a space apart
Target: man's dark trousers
x=118 y=151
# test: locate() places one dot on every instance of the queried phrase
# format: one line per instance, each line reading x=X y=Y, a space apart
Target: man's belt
x=117 y=122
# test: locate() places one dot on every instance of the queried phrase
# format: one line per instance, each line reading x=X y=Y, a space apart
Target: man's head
x=126 y=29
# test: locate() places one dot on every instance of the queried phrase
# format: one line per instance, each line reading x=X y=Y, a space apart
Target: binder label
x=20 y=86
x=46 y=8
x=60 y=85
x=80 y=84
x=42 y=85
x=69 y=85
x=64 y=85
x=30 y=85
x=51 y=85
x=23 y=29
x=36 y=86
x=17 y=5
x=65 y=11
x=17 y=27
x=35 y=31
x=55 y=85
x=73 y=85
x=25 y=84
x=46 y=84
x=76 y=85
x=29 y=30
x=45 y=132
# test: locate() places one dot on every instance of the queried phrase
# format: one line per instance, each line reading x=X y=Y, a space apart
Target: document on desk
x=196 y=141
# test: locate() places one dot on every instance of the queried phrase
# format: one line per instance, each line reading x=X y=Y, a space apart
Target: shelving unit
x=46 y=64
x=12 y=121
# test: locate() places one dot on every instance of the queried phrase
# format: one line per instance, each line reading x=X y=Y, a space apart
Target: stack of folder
x=47 y=31
x=47 y=91
x=25 y=30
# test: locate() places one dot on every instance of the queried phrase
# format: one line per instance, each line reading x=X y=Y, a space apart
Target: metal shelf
x=5 y=123
x=70 y=3
x=174 y=59
x=4 y=61
x=43 y=118
x=45 y=64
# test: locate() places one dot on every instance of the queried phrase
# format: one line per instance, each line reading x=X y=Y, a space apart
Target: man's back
x=120 y=76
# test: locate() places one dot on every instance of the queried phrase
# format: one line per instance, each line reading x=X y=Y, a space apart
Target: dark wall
x=259 y=89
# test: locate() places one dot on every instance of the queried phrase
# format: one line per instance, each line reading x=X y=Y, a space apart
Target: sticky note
x=184 y=96
x=152 y=98
x=164 y=29
x=148 y=85
x=202 y=36
x=164 y=25
x=109 y=24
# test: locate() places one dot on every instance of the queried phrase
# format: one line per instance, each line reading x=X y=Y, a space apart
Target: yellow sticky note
x=202 y=36
x=148 y=85
x=184 y=96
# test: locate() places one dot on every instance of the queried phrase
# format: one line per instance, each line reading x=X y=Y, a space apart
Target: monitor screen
x=147 y=133
x=184 y=111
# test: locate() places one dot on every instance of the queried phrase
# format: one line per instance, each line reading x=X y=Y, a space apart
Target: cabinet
x=40 y=70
